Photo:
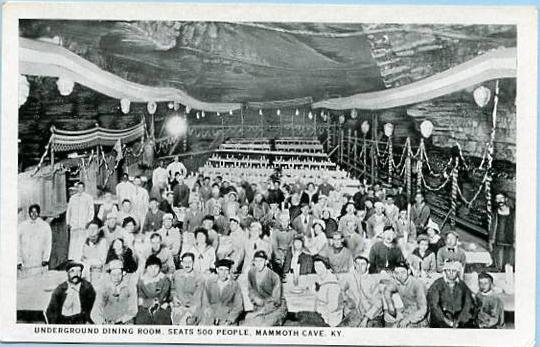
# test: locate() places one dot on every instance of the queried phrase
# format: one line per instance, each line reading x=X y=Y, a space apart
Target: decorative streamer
x=454 y=194
x=390 y=159
x=490 y=153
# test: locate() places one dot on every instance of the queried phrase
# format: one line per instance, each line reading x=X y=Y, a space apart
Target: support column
x=355 y=149
x=349 y=132
x=341 y=133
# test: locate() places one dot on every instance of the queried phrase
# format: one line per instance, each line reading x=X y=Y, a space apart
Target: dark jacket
x=456 y=305
x=305 y=260
x=181 y=195
x=87 y=296
x=382 y=257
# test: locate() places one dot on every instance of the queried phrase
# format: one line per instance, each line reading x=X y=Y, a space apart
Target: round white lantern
x=388 y=129
x=203 y=114
x=230 y=112
x=426 y=128
x=151 y=107
x=65 y=86
x=297 y=112
x=260 y=112
x=24 y=90
x=481 y=96
x=278 y=112
x=188 y=109
x=310 y=115
x=170 y=105
x=354 y=113
x=341 y=119
x=125 y=105
x=364 y=127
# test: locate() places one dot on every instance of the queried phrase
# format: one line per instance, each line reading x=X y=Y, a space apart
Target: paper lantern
x=65 y=86
x=231 y=112
x=426 y=128
x=260 y=112
x=170 y=105
x=24 y=90
x=278 y=112
x=341 y=119
x=310 y=115
x=388 y=129
x=151 y=107
x=198 y=115
x=482 y=96
x=124 y=105
x=176 y=105
x=364 y=127
x=354 y=113
x=218 y=114
x=202 y=114
x=188 y=109
x=296 y=113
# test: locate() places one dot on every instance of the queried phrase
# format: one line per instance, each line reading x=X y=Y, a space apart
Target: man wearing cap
x=72 y=301
x=450 y=252
x=111 y=229
x=361 y=292
x=450 y=301
x=35 y=240
x=304 y=222
x=187 y=286
x=116 y=297
x=172 y=239
x=266 y=293
x=420 y=213
x=339 y=257
x=222 y=301
x=154 y=217
x=490 y=305
x=385 y=254
x=411 y=291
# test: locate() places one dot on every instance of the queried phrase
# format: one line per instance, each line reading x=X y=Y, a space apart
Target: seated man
x=450 y=300
x=161 y=251
x=171 y=236
x=450 y=252
x=422 y=259
x=72 y=301
x=297 y=260
x=154 y=217
x=411 y=291
x=266 y=294
x=111 y=229
x=328 y=294
x=281 y=236
x=339 y=257
x=362 y=295
x=385 y=254
x=153 y=290
x=490 y=305
x=222 y=300
x=116 y=297
x=187 y=286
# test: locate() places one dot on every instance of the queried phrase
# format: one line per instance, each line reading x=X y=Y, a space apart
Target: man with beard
x=222 y=300
x=72 y=301
x=116 y=298
x=266 y=294
x=502 y=235
x=35 y=240
x=187 y=286
x=450 y=301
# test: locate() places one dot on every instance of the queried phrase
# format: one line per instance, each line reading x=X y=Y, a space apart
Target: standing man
x=176 y=167
x=80 y=212
x=35 y=239
x=125 y=189
x=187 y=286
x=420 y=213
x=502 y=237
x=116 y=298
x=450 y=301
x=159 y=181
x=72 y=301
x=140 y=200
x=282 y=237
x=181 y=192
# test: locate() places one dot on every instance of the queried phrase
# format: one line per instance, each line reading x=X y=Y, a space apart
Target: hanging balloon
x=198 y=115
x=124 y=105
x=341 y=119
x=230 y=112
x=170 y=105
x=364 y=127
x=218 y=114
x=260 y=112
x=24 y=90
x=151 y=107
x=426 y=128
x=65 y=86
x=176 y=105
x=354 y=113
x=296 y=113
x=188 y=109
x=481 y=96
x=310 y=115
x=202 y=114
x=278 y=112
x=388 y=129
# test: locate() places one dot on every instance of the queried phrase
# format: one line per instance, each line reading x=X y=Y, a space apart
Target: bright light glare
x=176 y=126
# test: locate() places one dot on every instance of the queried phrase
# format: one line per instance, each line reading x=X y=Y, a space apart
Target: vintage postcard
x=268 y=174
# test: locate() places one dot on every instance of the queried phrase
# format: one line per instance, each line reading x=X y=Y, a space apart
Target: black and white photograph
x=188 y=178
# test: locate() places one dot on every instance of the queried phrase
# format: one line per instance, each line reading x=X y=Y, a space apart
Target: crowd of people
x=181 y=254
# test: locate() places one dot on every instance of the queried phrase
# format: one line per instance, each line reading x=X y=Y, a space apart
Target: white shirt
x=159 y=177
x=125 y=190
x=72 y=304
x=80 y=210
x=35 y=238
